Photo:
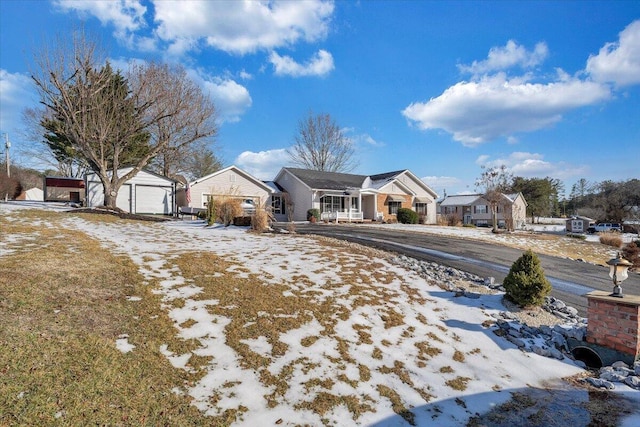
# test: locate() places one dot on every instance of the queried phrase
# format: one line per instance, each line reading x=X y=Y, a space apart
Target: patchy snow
x=393 y=355
x=484 y=233
x=122 y=344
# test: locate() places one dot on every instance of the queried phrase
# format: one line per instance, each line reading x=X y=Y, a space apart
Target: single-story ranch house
x=230 y=182
x=349 y=197
x=475 y=209
x=338 y=196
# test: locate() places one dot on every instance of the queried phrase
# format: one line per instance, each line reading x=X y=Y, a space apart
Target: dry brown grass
x=62 y=306
x=458 y=356
x=256 y=306
x=458 y=383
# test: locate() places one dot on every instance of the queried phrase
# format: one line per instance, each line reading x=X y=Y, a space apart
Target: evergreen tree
x=526 y=284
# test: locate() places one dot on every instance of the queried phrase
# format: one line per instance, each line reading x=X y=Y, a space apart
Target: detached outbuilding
x=63 y=189
x=578 y=224
x=144 y=193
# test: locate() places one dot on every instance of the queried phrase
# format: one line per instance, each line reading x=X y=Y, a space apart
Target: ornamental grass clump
x=526 y=284
x=261 y=220
x=611 y=239
x=228 y=210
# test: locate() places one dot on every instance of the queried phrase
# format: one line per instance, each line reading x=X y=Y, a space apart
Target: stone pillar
x=614 y=322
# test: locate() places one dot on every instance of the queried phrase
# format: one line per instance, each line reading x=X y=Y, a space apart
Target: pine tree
x=526 y=284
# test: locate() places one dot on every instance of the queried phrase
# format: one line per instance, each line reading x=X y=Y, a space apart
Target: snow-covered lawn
x=298 y=332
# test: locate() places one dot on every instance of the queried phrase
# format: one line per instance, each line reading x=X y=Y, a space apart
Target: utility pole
x=6 y=152
x=7 y=146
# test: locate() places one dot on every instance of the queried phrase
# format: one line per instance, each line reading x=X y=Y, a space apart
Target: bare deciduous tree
x=193 y=161
x=494 y=182
x=321 y=145
x=190 y=125
x=103 y=115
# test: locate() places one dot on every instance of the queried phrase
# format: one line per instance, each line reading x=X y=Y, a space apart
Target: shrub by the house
x=315 y=213
x=212 y=211
x=631 y=252
x=407 y=216
x=526 y=284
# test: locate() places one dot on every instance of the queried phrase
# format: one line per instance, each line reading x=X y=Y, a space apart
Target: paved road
x=570 y=279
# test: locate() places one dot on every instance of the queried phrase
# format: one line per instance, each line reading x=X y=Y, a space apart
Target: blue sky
x=437 y=87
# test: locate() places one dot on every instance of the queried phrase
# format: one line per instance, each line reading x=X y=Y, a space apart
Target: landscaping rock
x=545 y=340
x=633 y=381
x=597 y=382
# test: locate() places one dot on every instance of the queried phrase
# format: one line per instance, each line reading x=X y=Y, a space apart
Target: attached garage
x=145 y=193
x=231 y=182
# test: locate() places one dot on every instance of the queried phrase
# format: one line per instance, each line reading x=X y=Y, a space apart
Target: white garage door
x=153 y=200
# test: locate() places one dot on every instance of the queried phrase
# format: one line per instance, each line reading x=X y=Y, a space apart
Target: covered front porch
x=347 y=206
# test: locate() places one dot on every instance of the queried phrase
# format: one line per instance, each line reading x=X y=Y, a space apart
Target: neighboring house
x=349 y=197
x=475 y=209
x=63 y=189
x=230 y=182
x=578 y=224
x=144 y=193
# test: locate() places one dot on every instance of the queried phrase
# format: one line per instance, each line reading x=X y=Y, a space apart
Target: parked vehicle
x=604 y=227
x=248 y=206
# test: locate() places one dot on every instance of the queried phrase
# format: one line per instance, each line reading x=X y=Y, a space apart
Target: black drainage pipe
x=588 y=356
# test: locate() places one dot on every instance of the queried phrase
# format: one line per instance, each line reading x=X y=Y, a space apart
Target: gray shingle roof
x=460 y=200
x=328 y=180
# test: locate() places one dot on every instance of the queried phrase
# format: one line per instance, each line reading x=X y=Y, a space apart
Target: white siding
x=300 y=194
x=123 y=201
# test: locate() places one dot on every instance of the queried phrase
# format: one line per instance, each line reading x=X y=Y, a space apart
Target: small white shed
x=145 y=193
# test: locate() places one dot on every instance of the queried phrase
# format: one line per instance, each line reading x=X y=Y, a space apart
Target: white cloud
x=264 y=164
x=494 y=106
x=231 y=99
x=618 y=62
x=369 y=140
x=125 y=15
x=16 y=93
x=440 y=183
x=245 y=75
x=511 y=55
x=319 y=65
x=242 y=27
x=533 y=165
